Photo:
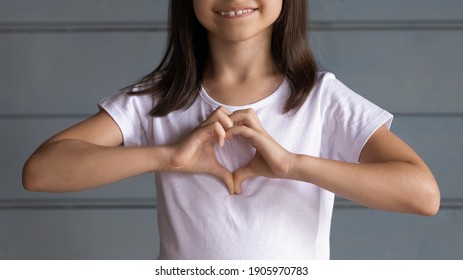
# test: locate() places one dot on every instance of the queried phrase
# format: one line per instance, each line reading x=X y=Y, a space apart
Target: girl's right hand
x=196 y=153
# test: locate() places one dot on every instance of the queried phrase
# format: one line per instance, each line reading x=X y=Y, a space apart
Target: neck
x=241 y=72
x=235 y=62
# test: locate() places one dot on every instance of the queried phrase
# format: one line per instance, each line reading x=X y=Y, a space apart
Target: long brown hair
x=176 y=82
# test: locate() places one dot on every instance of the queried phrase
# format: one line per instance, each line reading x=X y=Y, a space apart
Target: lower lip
x=236 y=16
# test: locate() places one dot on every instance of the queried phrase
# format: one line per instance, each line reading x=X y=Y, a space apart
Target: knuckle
x=216 y=125
x=222 y=110
x=218 y=128
x=249 y=111
x=219 y=110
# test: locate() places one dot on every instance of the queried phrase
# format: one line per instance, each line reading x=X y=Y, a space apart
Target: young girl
x=248 y=141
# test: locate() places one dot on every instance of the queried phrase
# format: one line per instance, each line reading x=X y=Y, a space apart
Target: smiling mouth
x=235 y=13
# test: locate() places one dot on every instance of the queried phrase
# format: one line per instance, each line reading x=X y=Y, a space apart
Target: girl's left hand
x=271 y=159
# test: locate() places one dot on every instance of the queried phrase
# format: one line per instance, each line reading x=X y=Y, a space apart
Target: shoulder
x=328 y=85
x=125 y=100
x=131 y=113
x=331 y=93
x=348 y=119
x=326 y=92
x=325 y=76
x=336 y=102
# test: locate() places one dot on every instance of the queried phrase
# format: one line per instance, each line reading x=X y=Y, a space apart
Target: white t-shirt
x=271 y=218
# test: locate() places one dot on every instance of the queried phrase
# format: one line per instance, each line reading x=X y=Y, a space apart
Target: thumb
x=241 y=175
x=225 y=176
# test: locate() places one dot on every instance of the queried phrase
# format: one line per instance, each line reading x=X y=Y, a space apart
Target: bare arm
x=90 y=154
x=87 y=155
x=390 y=176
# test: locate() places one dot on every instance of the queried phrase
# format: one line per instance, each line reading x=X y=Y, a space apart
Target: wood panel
x=390 y=10
x=58 y=58
x=45 y=11
x=402 y=71
x=67 y=73
x=78 y=234
x=439 y=140
x=132 y=234
x=24 y=136
x=148 y=10
x=369 y=234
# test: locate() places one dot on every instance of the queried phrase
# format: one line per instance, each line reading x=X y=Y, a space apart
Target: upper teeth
x=235 y=13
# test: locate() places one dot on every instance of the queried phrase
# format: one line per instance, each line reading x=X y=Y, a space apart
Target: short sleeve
x=349 y=121
x=131 y=114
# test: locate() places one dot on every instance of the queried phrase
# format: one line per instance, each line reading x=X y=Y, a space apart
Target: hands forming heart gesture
x=196 y=153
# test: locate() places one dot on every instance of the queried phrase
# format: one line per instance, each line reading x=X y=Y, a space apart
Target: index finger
x=221 y=115
x=247 y=117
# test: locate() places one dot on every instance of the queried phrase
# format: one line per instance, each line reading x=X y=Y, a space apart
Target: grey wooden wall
x=58 y=58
